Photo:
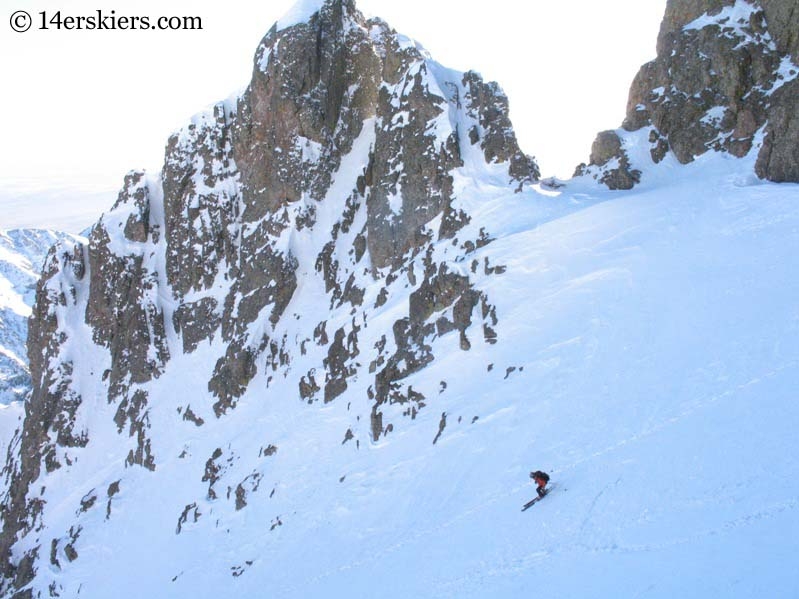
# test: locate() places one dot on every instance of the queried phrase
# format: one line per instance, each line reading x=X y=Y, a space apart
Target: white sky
x=82 y=108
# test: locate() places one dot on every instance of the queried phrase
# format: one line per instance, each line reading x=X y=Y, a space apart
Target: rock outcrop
x=725 y=79
x=22 y=253
x=280 y=221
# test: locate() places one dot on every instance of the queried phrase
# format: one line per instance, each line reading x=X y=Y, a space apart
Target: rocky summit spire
x=725 y=79
x=304 y=10
x=339 y=182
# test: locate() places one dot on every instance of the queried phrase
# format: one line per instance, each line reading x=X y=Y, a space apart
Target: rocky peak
x=725 y=79
x=681 y=12
x=281 y=222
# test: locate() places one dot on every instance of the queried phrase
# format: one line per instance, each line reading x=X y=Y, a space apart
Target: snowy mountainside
x=318 y=354
x=646 y=356
x=333 y=189
x=22 y=253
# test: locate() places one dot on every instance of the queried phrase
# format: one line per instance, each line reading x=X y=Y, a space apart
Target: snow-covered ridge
x=22 y=253
x=301 y=12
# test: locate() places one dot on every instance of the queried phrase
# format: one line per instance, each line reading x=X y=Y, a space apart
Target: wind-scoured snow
x=647 y=358
x=787 y=72
x=733 y=19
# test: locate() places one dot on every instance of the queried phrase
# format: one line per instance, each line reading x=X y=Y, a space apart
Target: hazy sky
x=87 y=106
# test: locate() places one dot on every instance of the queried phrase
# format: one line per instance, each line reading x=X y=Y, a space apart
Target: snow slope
x=647 y=358
x=641 y=347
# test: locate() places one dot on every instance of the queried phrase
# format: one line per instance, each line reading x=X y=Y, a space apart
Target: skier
x=541 y=479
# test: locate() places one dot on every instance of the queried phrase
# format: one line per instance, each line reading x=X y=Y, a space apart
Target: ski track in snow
x=531 y=560
x=647 y=357
x=699 y=405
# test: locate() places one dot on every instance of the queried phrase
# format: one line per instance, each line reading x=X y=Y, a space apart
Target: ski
x=535 y=500
x=530 y=503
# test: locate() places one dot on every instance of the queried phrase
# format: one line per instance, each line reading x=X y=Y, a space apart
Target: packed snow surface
x=647 y=358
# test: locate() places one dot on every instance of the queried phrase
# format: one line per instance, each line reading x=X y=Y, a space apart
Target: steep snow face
x=644 y=353
x=22 y=254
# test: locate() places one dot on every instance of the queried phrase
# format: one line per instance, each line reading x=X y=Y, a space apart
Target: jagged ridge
x=22 y=253
x=725 y=79
x=345 y=168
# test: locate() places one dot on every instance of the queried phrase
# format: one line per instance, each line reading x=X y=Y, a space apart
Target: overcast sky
x=84 y=107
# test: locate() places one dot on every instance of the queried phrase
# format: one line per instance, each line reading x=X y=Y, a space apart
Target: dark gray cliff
x=331 y=174
x=725 y=79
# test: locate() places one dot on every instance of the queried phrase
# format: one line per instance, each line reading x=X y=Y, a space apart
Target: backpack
x=542 y=475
